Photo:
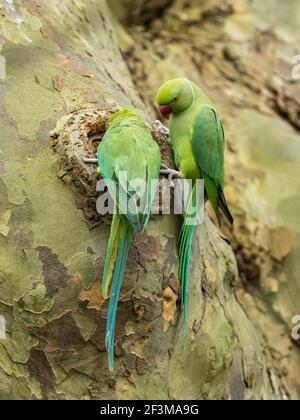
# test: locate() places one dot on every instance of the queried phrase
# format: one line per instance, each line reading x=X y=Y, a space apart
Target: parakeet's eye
x=175 y=99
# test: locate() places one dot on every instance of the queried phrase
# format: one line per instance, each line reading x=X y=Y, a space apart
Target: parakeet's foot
x=172 y=173
x=92 y=161
x=161 y=128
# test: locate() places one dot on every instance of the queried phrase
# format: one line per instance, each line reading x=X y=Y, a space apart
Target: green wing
x=208 y=148
x=130 y=149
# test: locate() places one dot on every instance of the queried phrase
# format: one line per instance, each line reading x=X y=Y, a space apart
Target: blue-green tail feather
x=185 y=247
x=117 y=277
x=186 y=241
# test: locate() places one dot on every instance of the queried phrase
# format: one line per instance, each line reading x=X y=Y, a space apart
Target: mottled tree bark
x=63 y=58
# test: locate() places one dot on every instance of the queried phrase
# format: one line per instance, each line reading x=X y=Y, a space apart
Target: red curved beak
x=165 y=110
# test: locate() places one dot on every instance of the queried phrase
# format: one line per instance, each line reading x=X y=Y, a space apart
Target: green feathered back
x=128 y=146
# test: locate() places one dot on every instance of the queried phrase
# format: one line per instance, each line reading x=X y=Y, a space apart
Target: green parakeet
x=126 y=148
x=197 y=139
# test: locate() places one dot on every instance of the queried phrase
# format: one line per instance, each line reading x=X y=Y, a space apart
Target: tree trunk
x=61 y=63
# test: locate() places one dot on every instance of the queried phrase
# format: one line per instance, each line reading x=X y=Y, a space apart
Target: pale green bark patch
x=2 y=327
x=40 y=104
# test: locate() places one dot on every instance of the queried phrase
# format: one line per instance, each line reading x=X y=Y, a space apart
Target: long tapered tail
x=185 y=247
x=117 y=253
x=224 y=207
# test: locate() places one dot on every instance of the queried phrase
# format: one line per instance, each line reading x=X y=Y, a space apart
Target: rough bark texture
x=51 y=261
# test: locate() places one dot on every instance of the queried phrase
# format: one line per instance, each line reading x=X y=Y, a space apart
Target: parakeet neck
x=128 y=122
x=200 y=96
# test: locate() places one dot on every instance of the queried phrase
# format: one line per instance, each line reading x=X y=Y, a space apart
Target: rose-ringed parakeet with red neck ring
x=197 y=139
x=127 y=147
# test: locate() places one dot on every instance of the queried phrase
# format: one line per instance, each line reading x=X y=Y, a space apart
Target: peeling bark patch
x=4 y=222
x=130 y=362
x=58 y=83
x=141 y=365
x=2 y=328
x=90 y=96
x=133 y=362
x=170 y=307
x=170 y=251
x=283 y=242
x=147 y=309
x=93 y=295
x=148 y=248
x=55 y=273
x=39 y=368
x=172 y=282
x=72 y=64
x=2 y=68
x=59 y=334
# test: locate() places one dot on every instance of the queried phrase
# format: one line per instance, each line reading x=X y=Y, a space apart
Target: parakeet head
x=123 y=115
x=175 y=96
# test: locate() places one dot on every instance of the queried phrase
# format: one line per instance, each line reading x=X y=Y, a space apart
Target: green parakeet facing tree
x=197 y=139
x=127 y=155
